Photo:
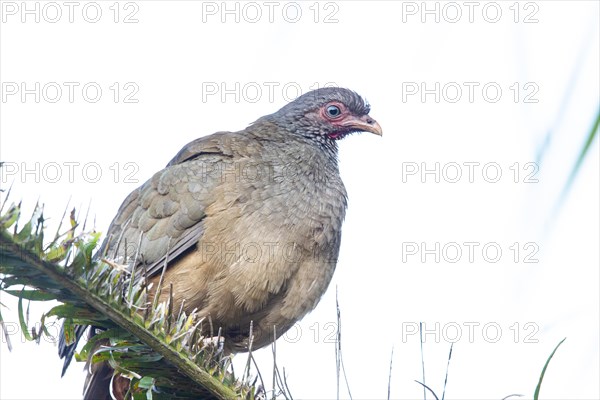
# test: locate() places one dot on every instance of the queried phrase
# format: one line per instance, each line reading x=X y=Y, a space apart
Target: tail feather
x=98 y=382
x=67 y=351
x=101 y=382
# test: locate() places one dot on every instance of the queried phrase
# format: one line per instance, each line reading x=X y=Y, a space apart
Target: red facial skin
x=346 y=122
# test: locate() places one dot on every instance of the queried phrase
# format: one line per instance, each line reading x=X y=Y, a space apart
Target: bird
x=248 y=223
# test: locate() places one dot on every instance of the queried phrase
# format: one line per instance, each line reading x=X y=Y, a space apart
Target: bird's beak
x=364 y=123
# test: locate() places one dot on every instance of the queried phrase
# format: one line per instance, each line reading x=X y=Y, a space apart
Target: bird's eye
x=333 y=111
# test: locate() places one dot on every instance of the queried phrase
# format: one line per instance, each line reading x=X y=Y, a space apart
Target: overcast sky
x=454 y=216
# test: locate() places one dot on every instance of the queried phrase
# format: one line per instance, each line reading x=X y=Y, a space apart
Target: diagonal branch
x=95 y=292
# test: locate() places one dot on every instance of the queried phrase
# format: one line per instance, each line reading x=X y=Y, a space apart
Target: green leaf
x=35 y=295
x=24 y=327
x=539 y=385
x=116 y=333
x=72 y=311
x=6 y=335
x=56 y=254
x=592 y=135
x=11 y=216
x=68 y=330
x=24 y=233
x=146 y=382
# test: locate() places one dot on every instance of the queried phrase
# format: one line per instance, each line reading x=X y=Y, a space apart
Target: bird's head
x=326 y=114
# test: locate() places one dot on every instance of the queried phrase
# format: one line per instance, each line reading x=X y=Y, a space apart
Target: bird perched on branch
x=248 y=223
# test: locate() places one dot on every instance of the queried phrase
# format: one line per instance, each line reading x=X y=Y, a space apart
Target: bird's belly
x=267 y=268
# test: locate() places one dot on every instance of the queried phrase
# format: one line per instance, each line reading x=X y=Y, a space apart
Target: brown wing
x=158 y=221
x=163 y=218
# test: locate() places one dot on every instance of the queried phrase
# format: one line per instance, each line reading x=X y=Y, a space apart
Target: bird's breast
x=273 y=239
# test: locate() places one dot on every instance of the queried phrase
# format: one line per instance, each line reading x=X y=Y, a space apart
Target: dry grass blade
x=447 y=368
x=390 y=374
x=339 y=360
x=422 y=361
x=428 y=388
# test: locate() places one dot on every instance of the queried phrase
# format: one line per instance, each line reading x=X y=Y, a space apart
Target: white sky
x=177 y=52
